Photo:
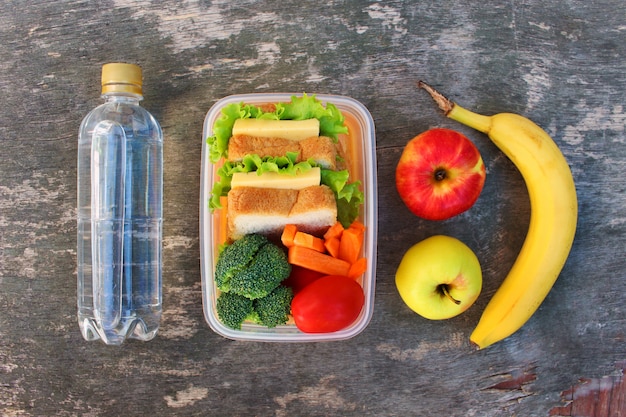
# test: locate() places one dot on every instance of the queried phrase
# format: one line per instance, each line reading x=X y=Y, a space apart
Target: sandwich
x=280 y=164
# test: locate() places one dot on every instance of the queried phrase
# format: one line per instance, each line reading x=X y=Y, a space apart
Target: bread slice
x=321 y=149
x=242 y=145
x=267 y=211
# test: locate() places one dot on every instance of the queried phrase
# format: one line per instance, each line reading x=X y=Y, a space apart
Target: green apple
x=439 y=277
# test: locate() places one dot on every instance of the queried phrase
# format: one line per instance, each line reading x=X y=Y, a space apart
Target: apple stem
x=444 y=289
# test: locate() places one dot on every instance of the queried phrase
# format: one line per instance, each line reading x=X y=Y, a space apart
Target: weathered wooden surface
x=560 y=63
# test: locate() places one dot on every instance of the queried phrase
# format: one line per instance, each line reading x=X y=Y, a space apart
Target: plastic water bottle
x=120 y=200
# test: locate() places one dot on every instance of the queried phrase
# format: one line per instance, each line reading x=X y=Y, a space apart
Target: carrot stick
x=332 y=246
x=350 y=245
x=309 y=241
x=357 y=225
x=316 y=261
x=358 y=268
x=289 y=233
x=334 y=231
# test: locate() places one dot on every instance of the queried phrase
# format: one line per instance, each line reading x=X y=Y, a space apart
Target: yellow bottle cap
x=118 y=77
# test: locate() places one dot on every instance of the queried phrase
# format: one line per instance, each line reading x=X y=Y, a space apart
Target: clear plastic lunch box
x=362 y=145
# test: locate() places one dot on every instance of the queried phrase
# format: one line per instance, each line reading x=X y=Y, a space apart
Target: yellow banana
x=554 y=213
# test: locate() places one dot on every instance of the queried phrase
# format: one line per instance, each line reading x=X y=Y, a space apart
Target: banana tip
x=475 y=345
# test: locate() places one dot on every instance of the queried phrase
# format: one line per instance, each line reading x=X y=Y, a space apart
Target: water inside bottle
x=121 y=297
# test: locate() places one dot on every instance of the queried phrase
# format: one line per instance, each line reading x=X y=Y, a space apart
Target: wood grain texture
x=562 y=64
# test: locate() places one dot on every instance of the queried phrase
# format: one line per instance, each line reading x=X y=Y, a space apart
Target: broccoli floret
x=266 y=271
x=236 y=257
x=274 y=309
x=233 y=309
x=248 y=273
x=252 y=267
x=270 y=311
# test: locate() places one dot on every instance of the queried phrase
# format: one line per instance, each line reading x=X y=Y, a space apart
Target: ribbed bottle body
x=120 y=217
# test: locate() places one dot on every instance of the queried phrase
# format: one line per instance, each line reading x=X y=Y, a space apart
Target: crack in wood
x=515 y=379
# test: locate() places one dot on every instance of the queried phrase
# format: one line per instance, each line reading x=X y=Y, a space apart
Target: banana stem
x=455 y=112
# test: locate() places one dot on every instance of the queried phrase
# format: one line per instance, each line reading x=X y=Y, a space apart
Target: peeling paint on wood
x=595 y=397
x=187 y=397
x=324 y=397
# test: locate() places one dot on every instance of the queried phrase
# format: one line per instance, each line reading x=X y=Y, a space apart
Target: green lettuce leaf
x=348 y=194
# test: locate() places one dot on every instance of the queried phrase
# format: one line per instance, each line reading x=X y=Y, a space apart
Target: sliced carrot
x=289 y=233
x=334 y=231
x=350 y=245
x=316 y=261
x=332 y=246
x=309 y=241
x=357 y=225
x=358 y=268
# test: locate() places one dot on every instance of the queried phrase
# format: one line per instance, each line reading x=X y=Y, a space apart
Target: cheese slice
x=287 y=129
x=277 y=181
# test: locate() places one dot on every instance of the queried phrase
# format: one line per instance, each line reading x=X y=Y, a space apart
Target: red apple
x=440 y=174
